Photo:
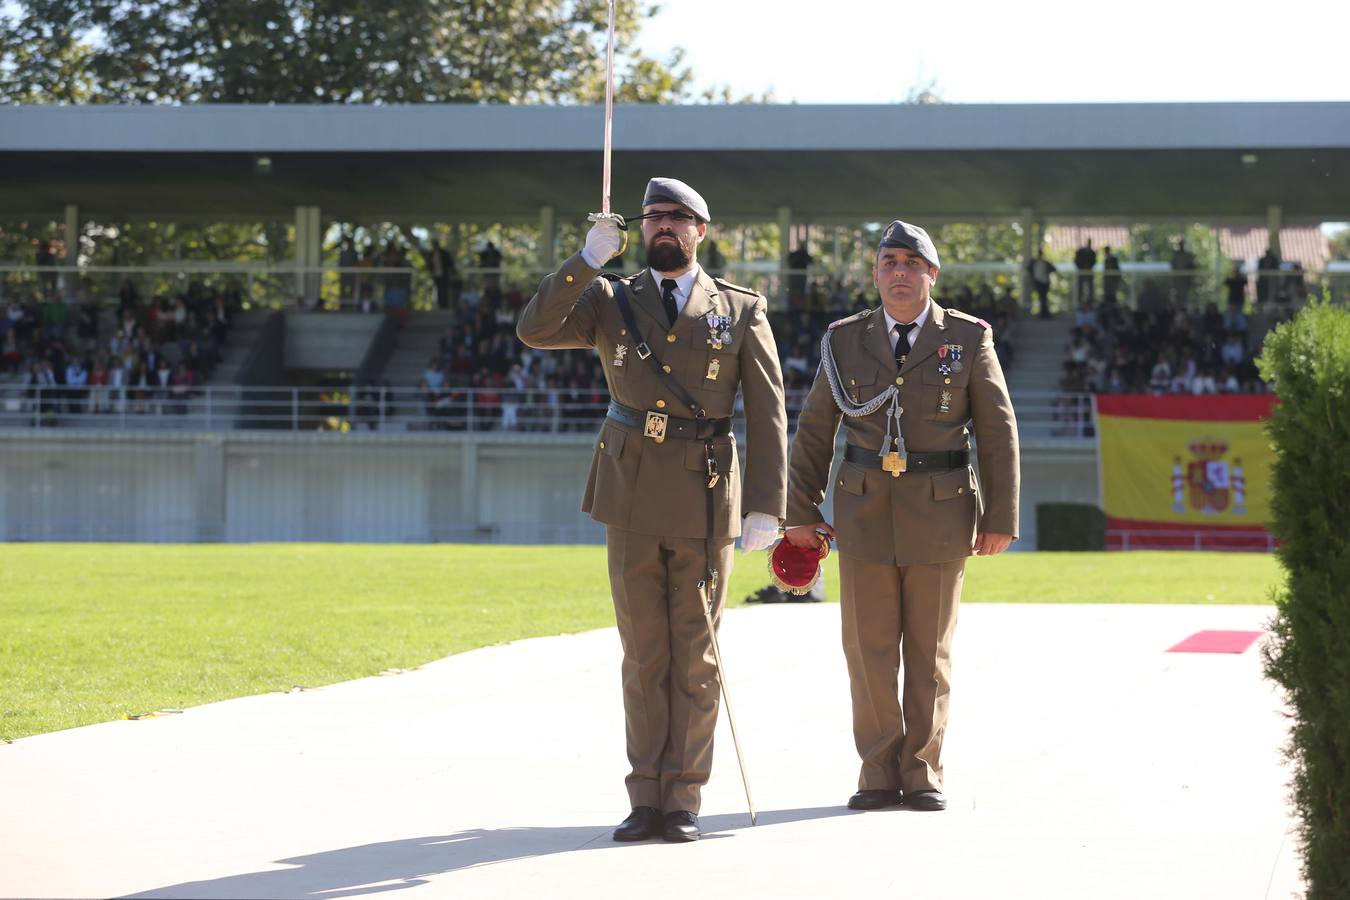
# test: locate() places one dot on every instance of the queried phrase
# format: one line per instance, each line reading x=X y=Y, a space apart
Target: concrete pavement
x=1082 y=761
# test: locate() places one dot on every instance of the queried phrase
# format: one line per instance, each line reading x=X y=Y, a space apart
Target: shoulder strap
x=645 y=352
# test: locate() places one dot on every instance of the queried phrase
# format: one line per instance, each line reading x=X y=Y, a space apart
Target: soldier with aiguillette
x=909 y=381
x=676 y=346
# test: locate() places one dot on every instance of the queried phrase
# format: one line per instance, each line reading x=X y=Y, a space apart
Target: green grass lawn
x=93 y=632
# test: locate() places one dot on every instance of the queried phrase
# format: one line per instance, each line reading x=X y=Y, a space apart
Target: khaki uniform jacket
x=919 y=517
x=636 y=483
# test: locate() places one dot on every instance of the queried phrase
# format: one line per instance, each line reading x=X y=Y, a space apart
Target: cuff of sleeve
x=586 y=258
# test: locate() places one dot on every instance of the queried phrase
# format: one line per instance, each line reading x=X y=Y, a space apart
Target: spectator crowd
x=143 y=355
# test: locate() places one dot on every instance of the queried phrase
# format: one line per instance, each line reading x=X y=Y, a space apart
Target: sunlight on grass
x=92 y=632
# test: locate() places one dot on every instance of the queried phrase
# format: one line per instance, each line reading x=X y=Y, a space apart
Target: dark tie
x=902 y=344
x=668 y=299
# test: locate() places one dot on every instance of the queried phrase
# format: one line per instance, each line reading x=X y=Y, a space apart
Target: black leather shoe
x=681 y=826
x=874 y=799
x=644 y=822
x=926 y=801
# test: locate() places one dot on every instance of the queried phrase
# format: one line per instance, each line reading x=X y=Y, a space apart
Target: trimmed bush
x=1070 y=526
x=1309 y=654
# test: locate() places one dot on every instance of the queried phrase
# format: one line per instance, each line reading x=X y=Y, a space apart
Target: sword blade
x=726 y=701
x=609 y=110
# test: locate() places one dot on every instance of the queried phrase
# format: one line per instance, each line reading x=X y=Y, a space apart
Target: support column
x=1029 y=248
x=784 y=238
x=1274 y=222
x=548 y=238
x=308 y=253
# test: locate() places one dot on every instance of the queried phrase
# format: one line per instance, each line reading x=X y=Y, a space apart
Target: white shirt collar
x=919 y=320
x=684 y=284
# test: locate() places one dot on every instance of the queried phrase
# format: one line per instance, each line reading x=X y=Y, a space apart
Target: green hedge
x=1070 y=526
x=1309 y=654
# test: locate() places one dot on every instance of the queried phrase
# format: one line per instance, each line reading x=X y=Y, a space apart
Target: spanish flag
x=1184 y=471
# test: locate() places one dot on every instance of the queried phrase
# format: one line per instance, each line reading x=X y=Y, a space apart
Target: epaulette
x=975 y=320
x=727 y=285
x=856 y=317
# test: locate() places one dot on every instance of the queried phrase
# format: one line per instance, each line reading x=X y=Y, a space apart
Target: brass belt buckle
x=656 y=426
x=894 y=463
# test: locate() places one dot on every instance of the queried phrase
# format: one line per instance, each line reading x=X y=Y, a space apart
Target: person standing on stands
x=1084 y=260
x=490 y=260
x=676 y=347
x=909 y=381
x=347 y=260
x=1040 y=269
x=799 y=261
x=1110 y=275
x=444 y=275
x=1183 y=274
x=1267 y=277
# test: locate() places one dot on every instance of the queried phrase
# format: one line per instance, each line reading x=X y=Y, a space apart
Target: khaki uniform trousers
x=890 y=612
x=670 y=686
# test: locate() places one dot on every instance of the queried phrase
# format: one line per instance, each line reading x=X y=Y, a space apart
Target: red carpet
x=1217 y=642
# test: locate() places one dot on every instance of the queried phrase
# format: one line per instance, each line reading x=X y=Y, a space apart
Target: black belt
x=690 y=429
x=914 y=461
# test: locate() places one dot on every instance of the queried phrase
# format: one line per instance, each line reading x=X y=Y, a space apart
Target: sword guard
x=596 y=217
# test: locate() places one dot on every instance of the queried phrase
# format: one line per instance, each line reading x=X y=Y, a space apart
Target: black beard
x=668 y=256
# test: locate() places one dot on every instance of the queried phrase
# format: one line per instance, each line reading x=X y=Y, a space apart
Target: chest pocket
x=945 y=398
x=864 y=383
x=616 y=346
x=715 y=371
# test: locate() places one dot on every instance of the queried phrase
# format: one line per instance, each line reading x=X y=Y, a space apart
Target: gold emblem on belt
x=655 y=427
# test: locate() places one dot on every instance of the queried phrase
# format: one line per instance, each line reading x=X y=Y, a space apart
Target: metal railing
x=1042 y=416
x=378 y=288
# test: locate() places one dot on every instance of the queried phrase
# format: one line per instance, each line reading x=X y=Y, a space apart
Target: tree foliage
x=1309 y=360
x=326 y=51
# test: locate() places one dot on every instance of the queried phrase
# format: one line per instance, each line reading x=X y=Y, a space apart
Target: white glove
x=604 y=241
x=758 y=531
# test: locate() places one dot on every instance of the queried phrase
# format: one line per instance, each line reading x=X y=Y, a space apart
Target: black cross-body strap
x=645 y=352
x=709 y=584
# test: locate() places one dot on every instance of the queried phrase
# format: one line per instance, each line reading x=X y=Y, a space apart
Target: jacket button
x=900 y=381
x=622 y=332
x=602 y=445
x=670 y=339
x=568 y=278
x=946 y=381
x=660 y=404
x=960 y=490
x=666 y=369
x=841 y=482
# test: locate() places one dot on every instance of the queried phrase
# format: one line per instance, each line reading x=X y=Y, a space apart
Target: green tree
x=325 y=51
x=1309 y=361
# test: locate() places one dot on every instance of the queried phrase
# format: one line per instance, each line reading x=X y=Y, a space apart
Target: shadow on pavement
x=394 y=865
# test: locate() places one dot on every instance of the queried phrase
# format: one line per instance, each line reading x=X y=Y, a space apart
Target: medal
x=714 y=369
x=620 y=351
x=719 y=330
x=955 y=351
x=945 y=402
x=944 y=368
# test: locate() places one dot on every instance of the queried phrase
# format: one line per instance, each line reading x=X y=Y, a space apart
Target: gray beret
x=668 y=190
x=911 y=237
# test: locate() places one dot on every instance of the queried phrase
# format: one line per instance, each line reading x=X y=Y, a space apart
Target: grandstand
x=297 y=407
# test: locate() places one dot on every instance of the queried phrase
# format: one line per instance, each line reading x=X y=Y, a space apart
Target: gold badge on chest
x=714 y=369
